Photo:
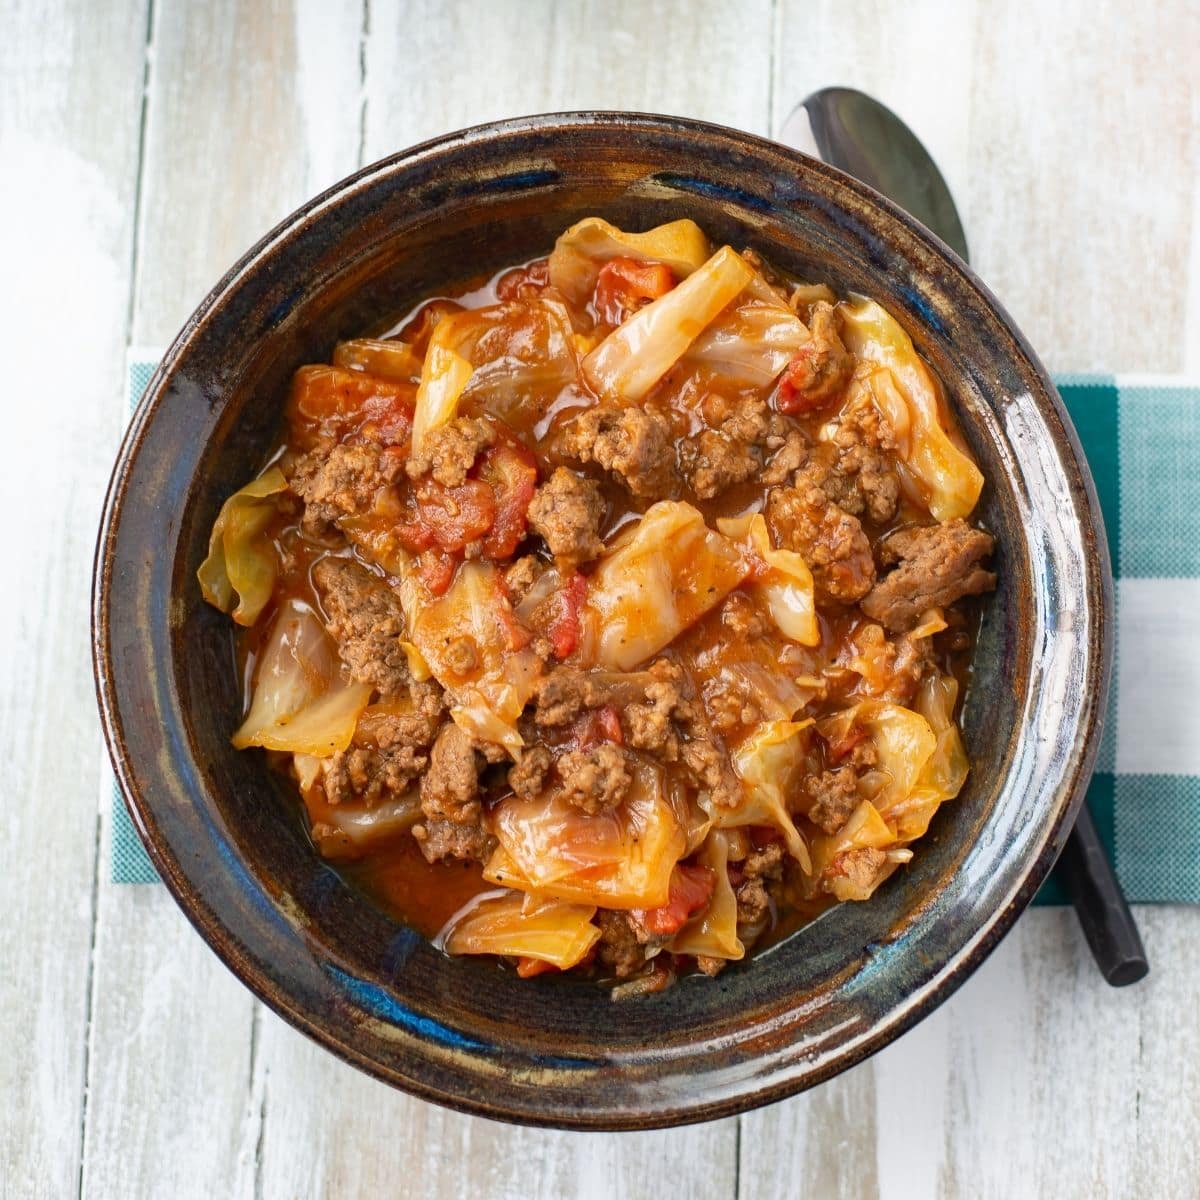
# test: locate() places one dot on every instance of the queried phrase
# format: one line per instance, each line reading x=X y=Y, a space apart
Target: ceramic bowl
x=227 y=837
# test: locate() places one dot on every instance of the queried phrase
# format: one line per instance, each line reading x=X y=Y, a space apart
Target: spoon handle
x=1100 y=904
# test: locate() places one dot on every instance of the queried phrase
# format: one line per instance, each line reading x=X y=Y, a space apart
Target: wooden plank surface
x=70 y=95
x=251 y=108
x=1068 y=135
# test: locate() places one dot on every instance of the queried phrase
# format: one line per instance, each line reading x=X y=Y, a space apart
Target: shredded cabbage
x=302 y=700
x=865 y=830
x=489 y=699
x=638 y=353
x=444 y=376
x=948 y=481
x=787 y=588
x=661 y=575
x=242 y=560
x=770 y=763
x=713 y=932
x=750 y=343
x=617 y=859
x=383 y=359
x=944 y=772
x=583 y=249
x=519 y=926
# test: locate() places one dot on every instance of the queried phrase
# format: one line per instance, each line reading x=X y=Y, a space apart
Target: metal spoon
x=857 y=134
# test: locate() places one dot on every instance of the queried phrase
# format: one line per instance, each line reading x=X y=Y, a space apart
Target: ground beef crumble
x=364 y=617
x=853 y=466
x=454 y=826
x=566 y=512
x=937 y=565
x=449 y=452
x=363 y=774
x=832 y=796
x=635 y=444
x=758 y=870
x=831 y=541
x=822 y=366
x=595 y=779
x=528 y=777
x=349 y=481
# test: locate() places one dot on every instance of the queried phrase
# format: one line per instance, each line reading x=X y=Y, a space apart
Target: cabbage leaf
x=385 y=359
x=444 y=376
x=713 y=932
x=519 y=926
x=770 y=763
x=639 y=352
x=302 y=701
x=583 y=249
x=947 y=480
x=347 y=831
x=864 y=830
x=944 y=772
x=660 y=576
x=242 y=560
x=621 y=858
x=750 y=343
x=787 y=587
x=489 y=698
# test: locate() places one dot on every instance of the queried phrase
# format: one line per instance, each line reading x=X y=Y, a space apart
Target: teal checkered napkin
x=1142 y=439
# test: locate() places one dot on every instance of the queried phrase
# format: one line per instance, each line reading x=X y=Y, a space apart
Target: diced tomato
x=520 y=281
x=691 y=889
x=454 y=516
x=798 y=390
x=563 y=630
x=437 y=570
x=625 y=284
x=609 y=721
x=510 y=470
x=527 y=968
x=843 y=745
x=327 y=402
x=593 y=728
x=517 y=635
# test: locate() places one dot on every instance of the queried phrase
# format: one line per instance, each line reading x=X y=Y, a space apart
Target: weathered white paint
x=70 y=76
x=1068 y=135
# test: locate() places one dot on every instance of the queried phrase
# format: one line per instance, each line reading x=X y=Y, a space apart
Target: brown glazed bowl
x=227 y=837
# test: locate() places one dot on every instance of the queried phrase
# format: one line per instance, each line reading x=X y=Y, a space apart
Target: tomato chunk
x=691 y=890
x=510 y=470
x=625 y=284
x=328 y=402
x=450 y=517
x=527 y=968
x=563 y=630
x=802 y=389
x=521 y=281
x=437 y=571
x=842 y=746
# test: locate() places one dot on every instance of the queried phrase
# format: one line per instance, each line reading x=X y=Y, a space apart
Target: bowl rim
x=953 y=970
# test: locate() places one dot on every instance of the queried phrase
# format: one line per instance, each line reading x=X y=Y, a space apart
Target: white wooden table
x=144 y=144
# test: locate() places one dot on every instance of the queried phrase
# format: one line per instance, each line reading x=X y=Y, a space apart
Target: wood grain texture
x=70 y=95
x=1068 y=135
x=251 y=109
x=434 y=67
